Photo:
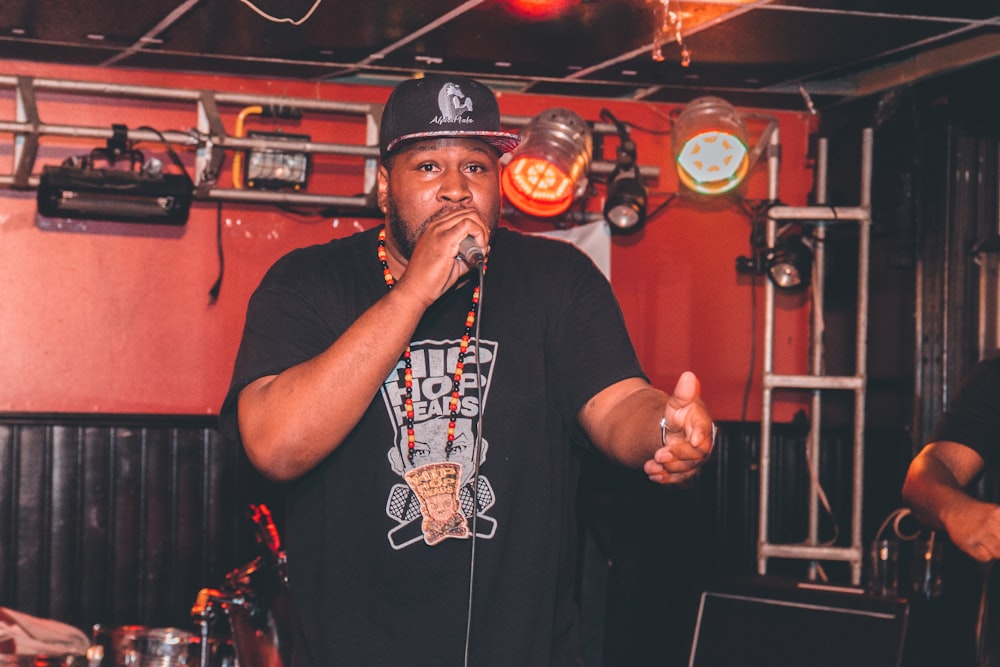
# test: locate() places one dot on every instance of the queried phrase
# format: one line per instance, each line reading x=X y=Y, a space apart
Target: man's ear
x=382 y=188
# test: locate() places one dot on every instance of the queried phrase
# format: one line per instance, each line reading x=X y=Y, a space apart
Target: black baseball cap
x=442 y=105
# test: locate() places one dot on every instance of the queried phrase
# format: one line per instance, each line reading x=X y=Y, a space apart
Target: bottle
x=925 y=570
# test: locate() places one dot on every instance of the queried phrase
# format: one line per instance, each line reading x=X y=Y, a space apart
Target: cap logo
x=452 y=103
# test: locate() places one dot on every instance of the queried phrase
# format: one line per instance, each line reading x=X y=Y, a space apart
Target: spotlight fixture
x=548 y=170
x=789 y=263
x=710 y=146
x=625 y=206
x=271 y=169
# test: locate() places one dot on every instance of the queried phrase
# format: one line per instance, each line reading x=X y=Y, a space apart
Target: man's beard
x=406 y=238
x=405 y=241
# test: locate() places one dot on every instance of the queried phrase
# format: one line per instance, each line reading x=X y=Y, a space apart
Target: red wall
x=117 y=319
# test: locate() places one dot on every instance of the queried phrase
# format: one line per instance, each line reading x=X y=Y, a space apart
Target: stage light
x=710 y=146
x=625 y=206
x=271 y=169
x=142 y=192
x=537 y=10
x=789 y=263
x=548 y=170
x=114 y=194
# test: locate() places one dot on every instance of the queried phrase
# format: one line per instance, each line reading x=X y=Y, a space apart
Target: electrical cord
x=174 y=157
x=477 y=452
x=751 y=367
x=894 y=517
x=748 y=386
x=982 y=616
x=813 y=474
x=275 y=19
x=213 y=292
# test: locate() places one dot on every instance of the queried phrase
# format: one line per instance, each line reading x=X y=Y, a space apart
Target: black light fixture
x=789 y=262
x=113 y=194
x=548 y=170
x=141 y=193
x=625 y=206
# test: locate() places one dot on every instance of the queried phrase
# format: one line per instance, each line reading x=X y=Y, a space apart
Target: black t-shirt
x=973 y=417
x=378 y=547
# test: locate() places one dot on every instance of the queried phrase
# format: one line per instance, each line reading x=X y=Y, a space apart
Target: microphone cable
x=477 y=451
x=983 y=653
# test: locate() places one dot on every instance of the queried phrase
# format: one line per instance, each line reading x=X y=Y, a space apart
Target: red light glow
x=537 y=9
x=537 y=187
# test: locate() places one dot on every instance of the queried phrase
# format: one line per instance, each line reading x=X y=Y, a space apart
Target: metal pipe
x=864 y=233
x=831 y=214
x=773 y=164
x=816 y=365
x=211 y=139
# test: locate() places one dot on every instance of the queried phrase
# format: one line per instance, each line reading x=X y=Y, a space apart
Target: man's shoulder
x=522 y=243
x=347 y=247
x=349 y=244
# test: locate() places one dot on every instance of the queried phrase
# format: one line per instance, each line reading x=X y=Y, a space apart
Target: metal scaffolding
x=209 y=138
x=820 y=216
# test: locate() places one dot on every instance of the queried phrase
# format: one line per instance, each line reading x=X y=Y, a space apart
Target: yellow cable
x=238 y=155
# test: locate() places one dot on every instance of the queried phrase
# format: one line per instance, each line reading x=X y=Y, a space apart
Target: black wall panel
x=119 y=520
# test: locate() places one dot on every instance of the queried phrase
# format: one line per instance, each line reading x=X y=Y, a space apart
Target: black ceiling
x=784 y=54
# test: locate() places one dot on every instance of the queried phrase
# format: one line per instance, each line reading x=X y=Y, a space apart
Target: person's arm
x=934 y=489
x=289 y=422
x=624 y=421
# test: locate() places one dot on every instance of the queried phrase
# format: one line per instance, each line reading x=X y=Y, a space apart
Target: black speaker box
x=763 y=622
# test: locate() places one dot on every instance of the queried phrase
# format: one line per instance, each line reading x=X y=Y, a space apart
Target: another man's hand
x=974 y=527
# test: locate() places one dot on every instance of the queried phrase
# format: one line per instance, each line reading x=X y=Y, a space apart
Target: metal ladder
x=817 y=381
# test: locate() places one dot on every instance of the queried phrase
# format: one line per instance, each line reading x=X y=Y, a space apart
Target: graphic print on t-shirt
x=436 y=486
x=435 y=499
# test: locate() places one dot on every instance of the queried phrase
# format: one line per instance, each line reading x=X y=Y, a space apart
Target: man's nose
x=454 y=187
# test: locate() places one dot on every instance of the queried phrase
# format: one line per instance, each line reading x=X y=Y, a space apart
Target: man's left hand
x=688 y=435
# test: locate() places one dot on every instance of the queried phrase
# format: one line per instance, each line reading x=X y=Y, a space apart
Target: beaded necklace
x=470 y=321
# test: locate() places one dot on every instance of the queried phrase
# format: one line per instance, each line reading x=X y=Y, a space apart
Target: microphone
x=470 y=253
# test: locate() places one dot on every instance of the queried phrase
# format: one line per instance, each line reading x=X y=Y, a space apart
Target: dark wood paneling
x=119 y=520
